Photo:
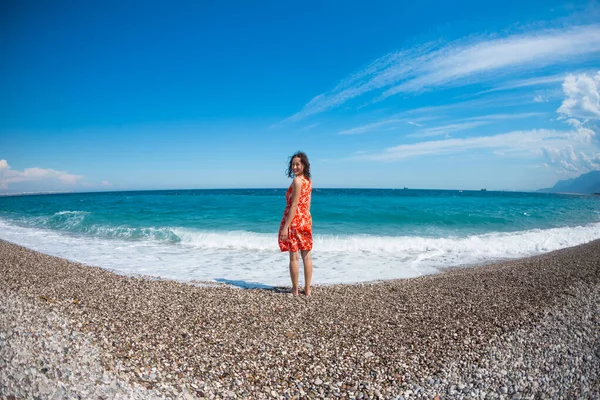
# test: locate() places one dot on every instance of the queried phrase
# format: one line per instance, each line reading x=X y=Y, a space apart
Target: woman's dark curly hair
x=304 y=160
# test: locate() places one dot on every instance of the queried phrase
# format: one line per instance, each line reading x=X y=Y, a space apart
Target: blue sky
x=452 y=95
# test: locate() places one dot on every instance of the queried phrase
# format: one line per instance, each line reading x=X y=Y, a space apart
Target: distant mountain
x=587 y=184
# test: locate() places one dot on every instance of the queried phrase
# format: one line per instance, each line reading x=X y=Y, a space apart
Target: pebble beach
x=523 y=329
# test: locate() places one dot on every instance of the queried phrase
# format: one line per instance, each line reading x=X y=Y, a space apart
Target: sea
x=360 y=235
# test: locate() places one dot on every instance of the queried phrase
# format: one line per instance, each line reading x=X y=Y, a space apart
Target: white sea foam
x=68 y=212
x=248 y=258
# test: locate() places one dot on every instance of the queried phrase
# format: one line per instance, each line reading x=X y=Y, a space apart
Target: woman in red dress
x=295 y=231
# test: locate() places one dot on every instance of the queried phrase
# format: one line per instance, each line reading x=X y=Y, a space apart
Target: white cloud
x=583 y=135
x=582 y=97
x=568 y=161
x=540 y=99
x=9 y=175
x=459 y=63
x=575 y=123
x=517 y=141
x=591 y=162
x=581 y=110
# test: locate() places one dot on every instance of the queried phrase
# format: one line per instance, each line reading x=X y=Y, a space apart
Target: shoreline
x=326 y=278
x=443 y=334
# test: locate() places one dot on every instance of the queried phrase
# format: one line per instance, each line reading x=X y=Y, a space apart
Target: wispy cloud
x=447 y=129
x=9 y=175
x=455 y=125
x=311 y=126
x=531 y=51
x=503 y=117
x=458 y=63
x=472 y=122
x=372 y=126
x=518 y=140
x=521 y=83
x=497 y=102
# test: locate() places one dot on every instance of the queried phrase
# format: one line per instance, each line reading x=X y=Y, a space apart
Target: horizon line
x=42 y=193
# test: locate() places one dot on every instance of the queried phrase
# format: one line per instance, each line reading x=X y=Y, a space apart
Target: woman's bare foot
x=307 y=291
x=295 y=291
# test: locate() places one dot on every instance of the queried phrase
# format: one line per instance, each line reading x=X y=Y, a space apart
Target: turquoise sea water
x=360 y=235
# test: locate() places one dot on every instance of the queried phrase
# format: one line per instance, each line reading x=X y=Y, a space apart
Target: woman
x=295 y=231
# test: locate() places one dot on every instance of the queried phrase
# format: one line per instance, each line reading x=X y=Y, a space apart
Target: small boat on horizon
x=484 y=190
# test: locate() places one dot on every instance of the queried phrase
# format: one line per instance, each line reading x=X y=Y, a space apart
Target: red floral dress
x=300 y=231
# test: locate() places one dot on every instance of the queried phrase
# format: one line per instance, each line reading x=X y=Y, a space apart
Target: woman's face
x=297 y=166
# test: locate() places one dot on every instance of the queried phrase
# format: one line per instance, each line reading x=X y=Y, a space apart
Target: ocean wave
x=129 y=233
x=255 y=257
x=492 y=245
x=80 y=222
x=62 y=220
x=489 y=245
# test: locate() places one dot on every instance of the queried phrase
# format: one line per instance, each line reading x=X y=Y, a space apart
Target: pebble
x=137 y=338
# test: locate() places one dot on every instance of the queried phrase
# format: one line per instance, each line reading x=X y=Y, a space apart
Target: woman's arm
x=296 y=189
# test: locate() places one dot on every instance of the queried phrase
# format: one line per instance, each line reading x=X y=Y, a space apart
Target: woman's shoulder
x=301 y=180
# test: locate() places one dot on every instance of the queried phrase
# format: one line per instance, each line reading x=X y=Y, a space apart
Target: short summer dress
x=300 y=231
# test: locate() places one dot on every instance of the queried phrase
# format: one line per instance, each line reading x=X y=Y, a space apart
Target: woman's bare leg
x=306 y=260
x=294 y=271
